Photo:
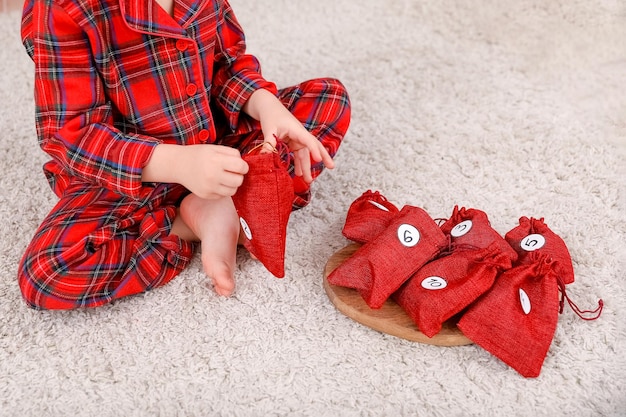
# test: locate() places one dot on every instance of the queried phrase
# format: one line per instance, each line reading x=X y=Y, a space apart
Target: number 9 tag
x=408 y=235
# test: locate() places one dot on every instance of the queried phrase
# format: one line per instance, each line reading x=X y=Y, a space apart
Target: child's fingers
x=313 y=145
x=303 y=164
x=305 y=147
x=231 y=160
x=316 y=149
x=235 y=166
x=269 y=144
x=326 y=158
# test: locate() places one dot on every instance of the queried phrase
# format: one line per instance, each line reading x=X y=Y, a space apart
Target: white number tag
x=408 y=235
x=533 y=242
x=524 y=301
x=434 y=283
x=378 y=205
x=462 y=228
x=245 y=228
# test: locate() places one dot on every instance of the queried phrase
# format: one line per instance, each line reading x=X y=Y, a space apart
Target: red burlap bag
x=378 y=268
x=368 y=216
x=534 y=236
x=516 y=319
x=471 y=228
x=444 y=287
x=263 y=203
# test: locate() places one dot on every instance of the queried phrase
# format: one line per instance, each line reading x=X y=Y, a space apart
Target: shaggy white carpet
x=516 y=108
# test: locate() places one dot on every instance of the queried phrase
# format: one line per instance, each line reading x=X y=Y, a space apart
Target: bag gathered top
x=368 y=216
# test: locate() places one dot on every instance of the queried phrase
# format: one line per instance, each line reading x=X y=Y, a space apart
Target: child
x=145 y=107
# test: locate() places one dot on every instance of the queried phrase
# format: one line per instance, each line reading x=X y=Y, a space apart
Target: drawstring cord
x=450 y=247
x=262 y=144
x=580 y=313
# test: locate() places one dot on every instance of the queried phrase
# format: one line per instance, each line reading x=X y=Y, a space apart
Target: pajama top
x=115 y=78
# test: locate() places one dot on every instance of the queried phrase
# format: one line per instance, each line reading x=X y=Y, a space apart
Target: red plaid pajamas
x=113 y=79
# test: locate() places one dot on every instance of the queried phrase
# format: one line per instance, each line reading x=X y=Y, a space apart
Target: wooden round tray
x=391 y=318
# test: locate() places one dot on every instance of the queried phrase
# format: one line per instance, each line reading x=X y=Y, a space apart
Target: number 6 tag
x=408 y=235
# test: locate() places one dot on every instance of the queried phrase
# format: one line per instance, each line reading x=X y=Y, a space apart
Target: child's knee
x=340 y=90
x=36 y=280
x=336 y=100
x=52 y=278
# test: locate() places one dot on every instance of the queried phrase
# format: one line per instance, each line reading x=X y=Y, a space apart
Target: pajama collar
x=147 y=16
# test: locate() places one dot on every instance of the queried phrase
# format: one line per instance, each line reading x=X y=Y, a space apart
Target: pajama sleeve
x=236 y=75
x=73 y=117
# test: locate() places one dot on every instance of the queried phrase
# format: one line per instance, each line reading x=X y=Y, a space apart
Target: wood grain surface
x=391 y=318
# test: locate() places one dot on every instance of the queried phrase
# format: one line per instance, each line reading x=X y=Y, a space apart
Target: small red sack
x=378 y=268
x=517 y=318
x=471 y=228
x=263 y=203
x=444 y=287
x=368 y=216
x=533 y=235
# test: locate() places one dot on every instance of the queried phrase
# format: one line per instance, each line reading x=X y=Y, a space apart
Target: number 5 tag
x=408 y=235
x=533 y=242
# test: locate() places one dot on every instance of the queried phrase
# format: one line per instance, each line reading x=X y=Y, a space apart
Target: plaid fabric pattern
x=113 y=79
x=96 y=246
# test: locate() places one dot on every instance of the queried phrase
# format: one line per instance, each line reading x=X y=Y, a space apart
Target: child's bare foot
x=216 y=225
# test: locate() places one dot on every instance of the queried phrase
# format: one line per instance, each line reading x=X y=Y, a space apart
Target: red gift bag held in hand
x=263 y=203
x=444 y=287
x=378 y=268
x=368 y=216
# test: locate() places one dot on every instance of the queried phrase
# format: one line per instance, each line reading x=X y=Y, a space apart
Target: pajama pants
x=96 y=246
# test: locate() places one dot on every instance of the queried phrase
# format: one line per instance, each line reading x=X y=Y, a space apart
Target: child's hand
x=213 y=171
x=278 y=122
x=300 y=141
x=208 y=171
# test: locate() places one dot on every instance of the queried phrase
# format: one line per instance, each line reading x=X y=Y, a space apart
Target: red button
x=181 y=45
x=191 y=89
x=203 y=135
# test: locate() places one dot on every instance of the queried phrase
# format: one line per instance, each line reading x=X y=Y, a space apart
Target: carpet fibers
x=516 y=108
